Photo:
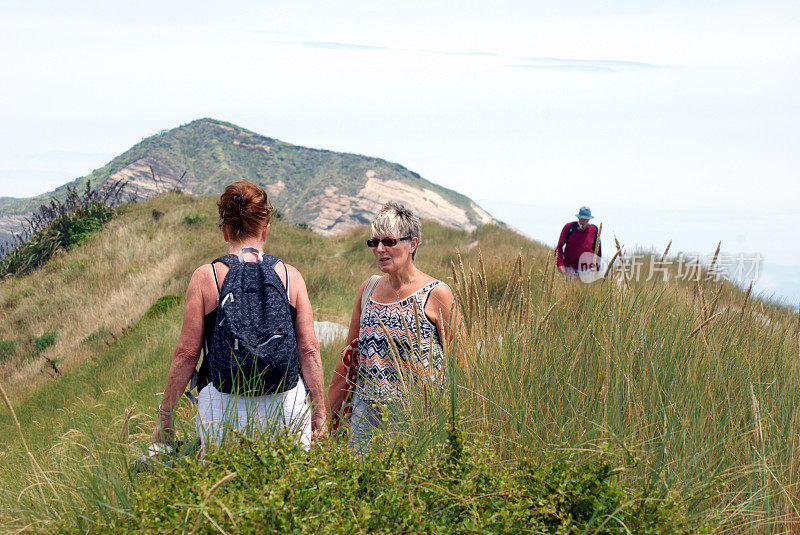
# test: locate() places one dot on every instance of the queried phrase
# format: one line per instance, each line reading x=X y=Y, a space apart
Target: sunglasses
x=387 y=242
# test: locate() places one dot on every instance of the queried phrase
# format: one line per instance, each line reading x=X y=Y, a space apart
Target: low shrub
x=274 y=486
x=99 y=335
x=40 y=343
x=59 y=225
x=194 y=218
x=64 y=231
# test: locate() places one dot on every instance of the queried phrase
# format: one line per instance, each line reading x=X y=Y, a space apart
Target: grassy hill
x=687 y=393
x=205 y=155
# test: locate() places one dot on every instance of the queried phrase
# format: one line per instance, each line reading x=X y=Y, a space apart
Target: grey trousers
x=368 y=420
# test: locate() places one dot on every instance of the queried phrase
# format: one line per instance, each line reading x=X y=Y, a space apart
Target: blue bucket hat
x=584 y=213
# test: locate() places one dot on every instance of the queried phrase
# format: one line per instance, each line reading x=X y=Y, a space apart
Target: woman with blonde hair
x=250 y=314
x=403 y=301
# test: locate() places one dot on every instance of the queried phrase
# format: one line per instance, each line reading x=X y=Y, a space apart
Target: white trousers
x=219 y=414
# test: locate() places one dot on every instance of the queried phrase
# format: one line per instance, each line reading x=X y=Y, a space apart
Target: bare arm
x=185 y=357
x=337 y=390
x=439 y=309
x=308 y=351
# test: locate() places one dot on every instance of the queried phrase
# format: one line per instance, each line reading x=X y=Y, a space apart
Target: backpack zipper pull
x=236 y=343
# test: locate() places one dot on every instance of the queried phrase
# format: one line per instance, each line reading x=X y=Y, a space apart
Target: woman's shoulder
x=373 y=280
x=203 y=273
x=439 y=291
x=429 y=281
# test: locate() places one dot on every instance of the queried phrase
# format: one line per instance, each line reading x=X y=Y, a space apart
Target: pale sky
x=671 y=120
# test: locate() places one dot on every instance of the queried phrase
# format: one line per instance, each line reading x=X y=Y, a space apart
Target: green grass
x=7 y=348
x=689 y=391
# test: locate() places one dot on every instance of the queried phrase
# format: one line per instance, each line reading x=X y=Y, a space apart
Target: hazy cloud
x=555 y=64
x=586 y=65
x=343 y=46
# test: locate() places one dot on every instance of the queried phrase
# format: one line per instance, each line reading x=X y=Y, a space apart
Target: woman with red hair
x=269 y=394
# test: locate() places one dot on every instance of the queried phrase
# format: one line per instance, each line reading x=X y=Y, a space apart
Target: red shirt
x=569 y=251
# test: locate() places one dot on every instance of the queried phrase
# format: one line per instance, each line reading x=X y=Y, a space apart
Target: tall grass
x=703 y=397
x=691 y=387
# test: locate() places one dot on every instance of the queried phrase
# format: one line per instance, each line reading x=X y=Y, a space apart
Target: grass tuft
x=40 y=343
x=194 y=218
x=163 y=304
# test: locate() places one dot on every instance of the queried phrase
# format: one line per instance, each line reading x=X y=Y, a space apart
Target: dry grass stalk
x=546 y=271
x=610 y=265
x=205 y=501
x=37 y=470
x=597 y=241
x=621 y=259
x=716 y=299
x=700 y=294
x=746 y=297
x=714 y=259
x=124 y=433
x=14 y=418
x=706 y=322
x=541 y=324
x=395 y=355
x=619 y=247
x=664 y=255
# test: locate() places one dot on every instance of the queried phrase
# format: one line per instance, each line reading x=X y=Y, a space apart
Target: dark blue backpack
x=254 y=350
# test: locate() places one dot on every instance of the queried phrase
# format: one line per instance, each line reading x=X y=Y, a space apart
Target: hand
x=163 y=431
x=562 y=270
x=319 y=425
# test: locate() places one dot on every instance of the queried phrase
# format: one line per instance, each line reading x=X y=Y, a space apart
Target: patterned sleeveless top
x=415 y=337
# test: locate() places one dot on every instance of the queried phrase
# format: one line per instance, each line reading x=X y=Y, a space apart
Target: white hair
x=394 y=219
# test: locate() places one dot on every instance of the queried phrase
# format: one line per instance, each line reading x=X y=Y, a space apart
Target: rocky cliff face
x=339 y=212
x=330 y=192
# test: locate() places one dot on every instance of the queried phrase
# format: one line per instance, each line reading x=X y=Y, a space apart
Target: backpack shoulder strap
x=216 y=281
x=570 y=230
x=269 y=260
x=368 y=289
x=225 y=259
x=229 y=260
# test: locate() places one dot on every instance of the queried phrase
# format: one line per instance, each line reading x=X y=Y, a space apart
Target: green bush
x=194 y=218
x=40 y=343
x=277 y=487
x=162 y=304
x=63 y=231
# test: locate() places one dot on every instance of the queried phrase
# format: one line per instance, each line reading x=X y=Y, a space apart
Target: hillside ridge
x=329 y=191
